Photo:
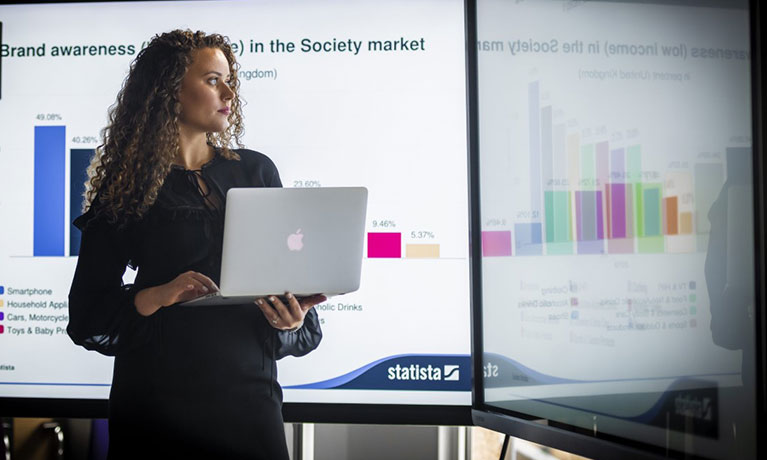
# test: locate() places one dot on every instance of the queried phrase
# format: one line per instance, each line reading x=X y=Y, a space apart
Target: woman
x=188 y=381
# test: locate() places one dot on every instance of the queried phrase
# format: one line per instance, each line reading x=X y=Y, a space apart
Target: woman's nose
x=227 y=94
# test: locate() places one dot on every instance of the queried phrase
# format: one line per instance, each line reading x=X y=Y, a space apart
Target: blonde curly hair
x=141 y=137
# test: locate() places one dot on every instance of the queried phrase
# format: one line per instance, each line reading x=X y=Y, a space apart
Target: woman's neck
x=194 y=151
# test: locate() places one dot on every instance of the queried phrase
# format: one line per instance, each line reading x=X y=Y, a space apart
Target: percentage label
x=558 y=182
x=85 y=140
x=421 y=234
x=48 y=116
x=618 y=175
x=384 y=224
x=306 y=183
x=527 y=214
x=495 y=222
x=677 y=164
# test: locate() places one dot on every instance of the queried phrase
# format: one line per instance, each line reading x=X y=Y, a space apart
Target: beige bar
x=422 y=251
x=685 y=220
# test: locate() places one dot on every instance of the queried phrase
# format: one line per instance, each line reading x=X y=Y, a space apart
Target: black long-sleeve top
x=199 y=379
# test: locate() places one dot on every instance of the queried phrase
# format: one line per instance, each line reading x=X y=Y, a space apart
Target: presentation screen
x=336 y=93
x=617 y=221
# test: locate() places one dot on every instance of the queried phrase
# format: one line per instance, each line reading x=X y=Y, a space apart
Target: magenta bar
x=618 y=211
x=496 y=243
x=384 y=245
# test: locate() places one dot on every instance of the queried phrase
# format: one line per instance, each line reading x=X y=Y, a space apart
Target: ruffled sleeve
x=302 y=341
x=102 y=315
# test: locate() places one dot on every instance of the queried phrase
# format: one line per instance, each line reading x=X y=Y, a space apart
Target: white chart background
x=391 y=121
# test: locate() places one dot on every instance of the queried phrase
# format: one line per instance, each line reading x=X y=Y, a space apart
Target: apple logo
x=295 y=241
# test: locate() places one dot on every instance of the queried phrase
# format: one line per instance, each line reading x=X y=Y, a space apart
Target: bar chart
x=52 y=180
x=389 y=245
x=591 y=193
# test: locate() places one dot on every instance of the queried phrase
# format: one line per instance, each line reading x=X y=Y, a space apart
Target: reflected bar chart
x=496 y=243
x=590 y=197
x=527 y=239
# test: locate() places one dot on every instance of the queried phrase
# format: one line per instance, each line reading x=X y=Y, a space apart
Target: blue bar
x=50 y=165
x=527 y=239
x=79 y=159
x=536 y=192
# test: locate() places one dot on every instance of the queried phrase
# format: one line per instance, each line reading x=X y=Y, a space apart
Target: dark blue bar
x=50 y=164
x=79 y=159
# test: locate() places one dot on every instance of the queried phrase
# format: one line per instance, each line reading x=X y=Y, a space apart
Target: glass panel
x=617 y=218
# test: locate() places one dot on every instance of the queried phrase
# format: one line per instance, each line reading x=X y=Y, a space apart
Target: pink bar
x=496 y=243
x=385 y=245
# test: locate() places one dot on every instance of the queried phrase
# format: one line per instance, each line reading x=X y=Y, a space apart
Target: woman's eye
x=213 y=80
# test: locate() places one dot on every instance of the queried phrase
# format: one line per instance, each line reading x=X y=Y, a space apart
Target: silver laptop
x=300 y=240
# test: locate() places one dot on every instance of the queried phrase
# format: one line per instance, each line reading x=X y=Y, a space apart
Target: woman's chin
x=217 y=130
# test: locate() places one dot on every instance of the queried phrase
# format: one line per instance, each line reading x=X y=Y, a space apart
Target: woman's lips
x=225 y=111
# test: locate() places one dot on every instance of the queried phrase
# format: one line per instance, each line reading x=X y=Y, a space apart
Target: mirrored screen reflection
x=617 y=220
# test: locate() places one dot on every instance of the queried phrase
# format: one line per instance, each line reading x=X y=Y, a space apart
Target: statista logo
x=418 y=372
x=452 y=372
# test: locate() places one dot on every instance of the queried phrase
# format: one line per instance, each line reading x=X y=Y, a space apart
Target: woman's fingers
x=209 y=284
x=294 y=306
x=269 y=312
x=310 y=301
x=186 y=286
x=277 y=315
x=282 y=310
x=191 y=285
x=199 y=286
x=280 y=315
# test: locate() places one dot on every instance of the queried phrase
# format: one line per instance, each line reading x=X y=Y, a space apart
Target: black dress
x=189 y=382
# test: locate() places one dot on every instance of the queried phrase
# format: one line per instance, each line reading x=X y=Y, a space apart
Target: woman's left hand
x=290 y=316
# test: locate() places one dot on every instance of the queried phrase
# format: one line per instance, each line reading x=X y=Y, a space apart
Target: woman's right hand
x=186 y=286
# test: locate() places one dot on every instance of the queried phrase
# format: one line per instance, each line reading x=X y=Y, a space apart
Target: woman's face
x=205 y=95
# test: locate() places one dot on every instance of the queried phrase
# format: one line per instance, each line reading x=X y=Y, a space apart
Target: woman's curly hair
x=140 y=141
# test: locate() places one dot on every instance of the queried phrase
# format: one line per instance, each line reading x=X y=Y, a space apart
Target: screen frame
x=388 y=414
x=568 y=437
x=369 y=414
